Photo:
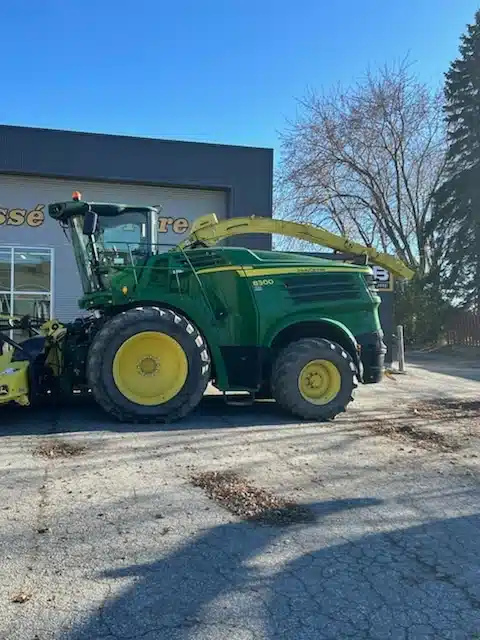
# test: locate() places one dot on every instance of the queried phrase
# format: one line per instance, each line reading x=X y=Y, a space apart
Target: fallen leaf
x=21 y=597
x=249 y=502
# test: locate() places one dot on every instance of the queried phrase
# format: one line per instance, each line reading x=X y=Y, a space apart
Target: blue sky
x=219 y=71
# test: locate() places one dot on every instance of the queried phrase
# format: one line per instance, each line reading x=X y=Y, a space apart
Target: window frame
x=13 y=292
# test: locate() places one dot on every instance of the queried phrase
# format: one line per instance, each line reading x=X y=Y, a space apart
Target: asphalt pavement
x=113 y=542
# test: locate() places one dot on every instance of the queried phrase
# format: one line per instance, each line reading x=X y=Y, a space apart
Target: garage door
x=24 y=223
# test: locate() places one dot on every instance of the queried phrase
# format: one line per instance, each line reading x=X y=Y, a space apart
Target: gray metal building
x=39 y=166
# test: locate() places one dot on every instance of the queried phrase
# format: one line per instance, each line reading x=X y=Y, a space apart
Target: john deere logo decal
x=18 y=217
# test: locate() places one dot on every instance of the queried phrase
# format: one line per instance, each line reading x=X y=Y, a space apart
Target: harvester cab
x=166 y=321
x=106 y=237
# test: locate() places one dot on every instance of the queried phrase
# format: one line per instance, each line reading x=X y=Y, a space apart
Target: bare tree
x=366 y=162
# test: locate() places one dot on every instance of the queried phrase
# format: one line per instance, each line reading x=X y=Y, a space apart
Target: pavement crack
x=41 y=523
x=40 y=527
x=433 y=571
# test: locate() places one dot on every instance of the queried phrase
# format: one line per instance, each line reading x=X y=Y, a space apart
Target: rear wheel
x=148 y=365
x=314 y=379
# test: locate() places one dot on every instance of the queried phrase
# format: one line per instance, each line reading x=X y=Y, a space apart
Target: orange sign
x=18 y=217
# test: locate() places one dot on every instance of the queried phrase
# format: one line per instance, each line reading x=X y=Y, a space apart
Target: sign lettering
x=177 y=225
x=18 y=217
x=383 y=278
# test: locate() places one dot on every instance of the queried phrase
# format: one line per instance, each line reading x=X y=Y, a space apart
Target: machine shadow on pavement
x=419 y=583
x=82 y=414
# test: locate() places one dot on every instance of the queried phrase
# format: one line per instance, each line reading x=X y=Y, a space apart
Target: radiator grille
x=328 y=287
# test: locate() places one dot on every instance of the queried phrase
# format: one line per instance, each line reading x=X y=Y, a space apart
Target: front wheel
x=314 y=379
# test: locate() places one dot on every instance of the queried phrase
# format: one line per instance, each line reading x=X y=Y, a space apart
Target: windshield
x=119 y=241
x=123 y=234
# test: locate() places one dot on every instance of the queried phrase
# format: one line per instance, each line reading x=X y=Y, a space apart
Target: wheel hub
x=148 y=366
x=319 y=381
x=314 y=380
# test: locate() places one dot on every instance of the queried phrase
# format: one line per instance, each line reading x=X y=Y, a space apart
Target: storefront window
x=26 y=283
x=32 y=270
x=5 y=270
x=34 y=306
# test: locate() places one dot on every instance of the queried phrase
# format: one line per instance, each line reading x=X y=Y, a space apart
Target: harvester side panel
x=219 y=302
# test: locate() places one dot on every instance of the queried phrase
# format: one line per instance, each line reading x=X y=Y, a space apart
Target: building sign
x=383 y=278
x=19 y=217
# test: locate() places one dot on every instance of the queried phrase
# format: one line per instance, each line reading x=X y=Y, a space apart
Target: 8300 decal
x=262 y=283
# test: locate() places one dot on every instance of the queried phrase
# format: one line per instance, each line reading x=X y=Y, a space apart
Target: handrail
x=199 y=282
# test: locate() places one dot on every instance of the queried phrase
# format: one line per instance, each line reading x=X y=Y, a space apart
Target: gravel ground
x=113 y=532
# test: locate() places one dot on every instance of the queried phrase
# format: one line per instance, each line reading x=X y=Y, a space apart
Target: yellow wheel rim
x=150 y=368
x=319 y=381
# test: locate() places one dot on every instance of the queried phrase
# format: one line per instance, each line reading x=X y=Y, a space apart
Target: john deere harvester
x=163 y=324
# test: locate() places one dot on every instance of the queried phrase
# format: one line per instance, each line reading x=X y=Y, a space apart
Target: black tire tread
x=285 y=374
x=105 y=336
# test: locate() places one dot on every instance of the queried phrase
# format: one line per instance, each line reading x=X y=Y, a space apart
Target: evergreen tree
x=458 y=199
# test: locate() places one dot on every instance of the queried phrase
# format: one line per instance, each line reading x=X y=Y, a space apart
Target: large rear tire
x=314 y=379
x=148 y=365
